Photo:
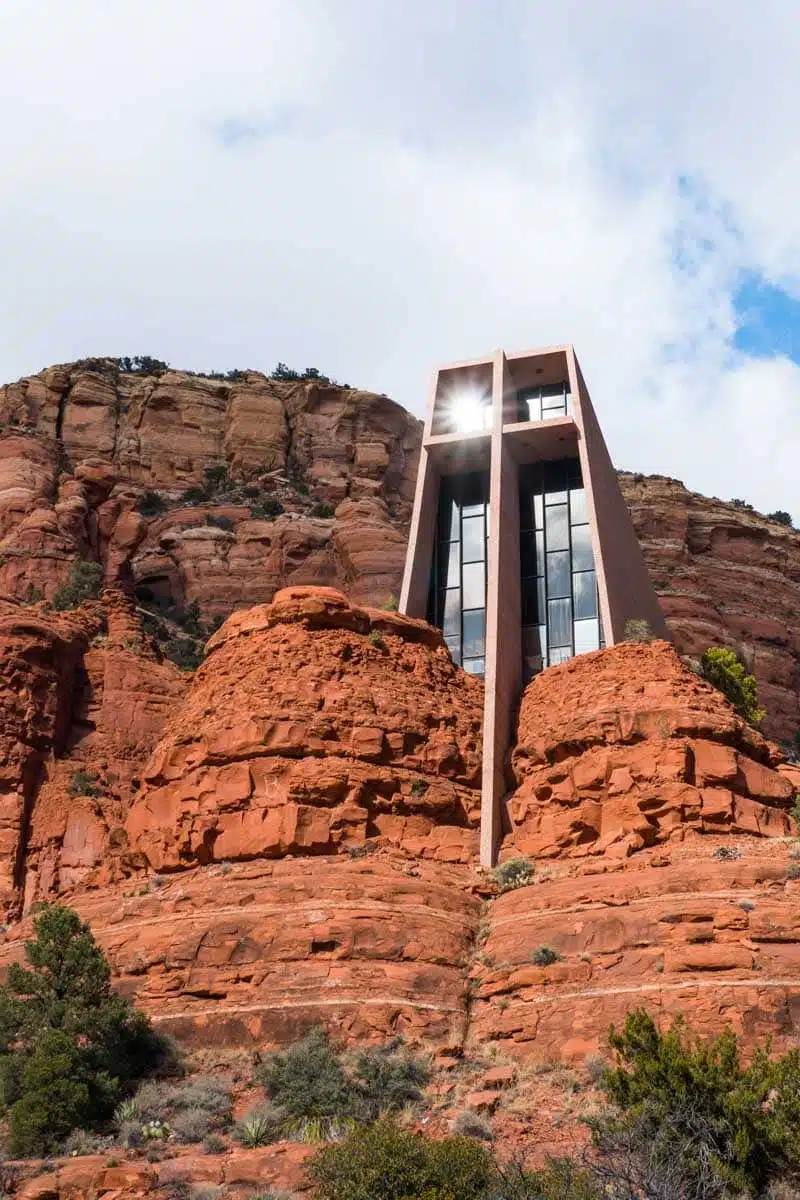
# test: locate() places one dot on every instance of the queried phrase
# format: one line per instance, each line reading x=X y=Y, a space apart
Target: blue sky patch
x=768 y=319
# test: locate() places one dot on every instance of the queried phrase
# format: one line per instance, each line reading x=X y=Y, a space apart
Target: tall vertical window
x=457 y=598
x=560 y=615
x=544 y=402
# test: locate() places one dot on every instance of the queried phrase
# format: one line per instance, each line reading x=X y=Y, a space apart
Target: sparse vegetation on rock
x=85 y=580
x=722 y=669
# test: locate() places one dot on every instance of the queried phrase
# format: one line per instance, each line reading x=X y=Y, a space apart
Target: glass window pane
x=473 y=586
x=448 y=517
x=474 y=666
x=472 y=540
x=540 y=596
x=557 y=528
x=543 y=639
x=450 y=608
x=538 y=508
x=540 y=552
x=582 y=555
x=454 y=646
x=527 y=554
x=473 y=491
x=560 y=654
x=552 y=391
x=584 y=595
x=530 y=606
x=474 y=633
x=449 y=562
x=559 y=622
x=578 y=512
x=558 y=573
x=587 y=636
x=555 y=478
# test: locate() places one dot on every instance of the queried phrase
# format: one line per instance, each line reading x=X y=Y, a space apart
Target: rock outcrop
x=660 y=832
x=726 y=576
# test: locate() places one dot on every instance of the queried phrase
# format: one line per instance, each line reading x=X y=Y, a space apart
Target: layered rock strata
x=312 y=726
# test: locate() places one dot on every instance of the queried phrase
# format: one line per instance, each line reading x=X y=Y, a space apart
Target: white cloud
x=414 y=183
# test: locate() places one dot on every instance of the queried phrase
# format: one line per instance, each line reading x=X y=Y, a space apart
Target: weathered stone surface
x=726 y=576
x=628 y=748
x=313 y=725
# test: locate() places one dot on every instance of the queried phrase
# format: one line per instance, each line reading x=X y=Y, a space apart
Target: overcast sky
x=375 y=186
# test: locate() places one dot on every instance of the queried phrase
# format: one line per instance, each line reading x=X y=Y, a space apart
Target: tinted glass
x=582 y=556
x=559 y=622
x=540 y=552
x=472 y=539
x=538 y=510
x=449 y=561
x=530 y=606
x=587 y=636
x=558 y=573
x=584 y=595
x=474 y=666
x=560 y=654
x=473 y=586
x=451 y=612
x=448 y=517
x=472 y=490
x=557 y=528
x=527 y=554
x=474 y=632
x=578 y=512
x=454 y=646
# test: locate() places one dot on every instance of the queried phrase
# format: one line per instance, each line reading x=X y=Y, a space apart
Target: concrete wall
x=626 y=592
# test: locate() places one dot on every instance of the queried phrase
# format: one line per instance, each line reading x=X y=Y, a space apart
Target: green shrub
x=386 y=1081
x=151 y=504
x=796 y=813
x=261 y=1127
x=216 y=477
x=391 y=604
x=85 y=581
x=308 y=1080
x=375 y=638
x=727 y=853
x=383 y=1162
x=214 y=1144
x=559 y=1179
x=545 y=956
x=782 y=517
x=69 y=1045
x=722 y=669
x=225 y=523
x=513 y=873
x=142 y=364
x=321 y=509
x=696 y=1101
x=196 y=495
x=82 y=783
x=472 y=1124
x=184 y=652
x=419 y=788
x=266 y=510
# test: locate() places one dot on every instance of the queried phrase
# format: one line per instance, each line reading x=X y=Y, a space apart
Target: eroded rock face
x=726 y=576
x=312 y=726
x=81 y=443
x=627 y=748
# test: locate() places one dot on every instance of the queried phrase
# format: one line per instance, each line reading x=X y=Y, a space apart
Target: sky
x=373 y=187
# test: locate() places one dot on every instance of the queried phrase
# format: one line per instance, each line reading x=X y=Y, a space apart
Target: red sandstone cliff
x=81 y=443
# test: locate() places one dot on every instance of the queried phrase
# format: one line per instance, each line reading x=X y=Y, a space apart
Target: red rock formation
x=313 y=725
x=665 y=827
x=83 y=441
x=726 y=576
x=627 y=748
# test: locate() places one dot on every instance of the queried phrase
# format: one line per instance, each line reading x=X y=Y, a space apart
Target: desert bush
x=782 y=517
x=216 y=477
x=727 y=853
x=384 y=1162
x=391 y=604
x=191 y=1108
x=214 y=1144
x=142 y=364
x=472 y=1124
x=637 y=630
x=69 y=1045
x=260 y=1127
x=266 y=510
x=81 y=1141
x=82 y=783
x=195 y=494
x=375 y=638
x=558 y=1179
x=722 y=669
x=386 y=1081
x=185 y=652
x=513 y=873
x=225 y=523
x=793 y=871
x=311 y=1082
x=695 y=1101
x=321 y=509
x=151 y=504
x=545 y=956
x=85 y=580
